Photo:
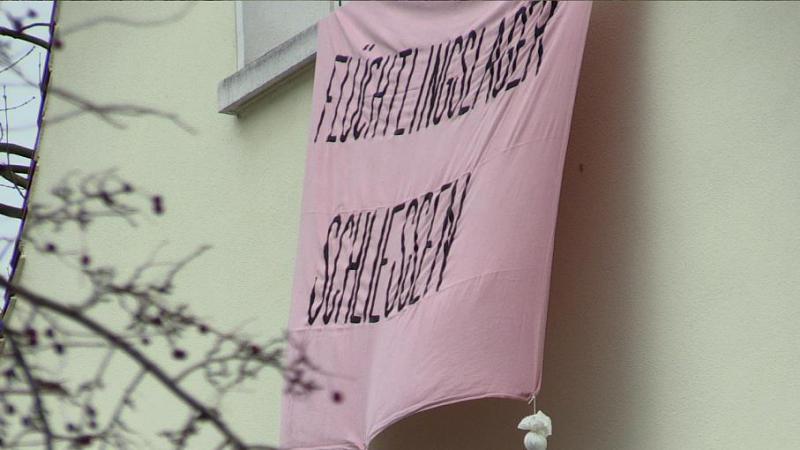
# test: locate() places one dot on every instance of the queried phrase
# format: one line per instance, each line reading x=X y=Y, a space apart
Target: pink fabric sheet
x=434 y=167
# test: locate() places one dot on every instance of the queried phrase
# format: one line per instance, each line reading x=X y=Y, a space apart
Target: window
x=274 y=40
x=262 y=26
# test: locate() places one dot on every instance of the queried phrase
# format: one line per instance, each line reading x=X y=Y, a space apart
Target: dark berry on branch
x=158 y=204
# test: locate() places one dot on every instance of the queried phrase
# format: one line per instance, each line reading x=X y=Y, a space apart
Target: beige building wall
x=674 y=300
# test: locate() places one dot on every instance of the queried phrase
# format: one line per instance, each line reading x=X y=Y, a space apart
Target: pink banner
x=434 y=168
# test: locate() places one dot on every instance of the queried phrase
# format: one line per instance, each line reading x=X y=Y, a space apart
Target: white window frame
x=269 y=70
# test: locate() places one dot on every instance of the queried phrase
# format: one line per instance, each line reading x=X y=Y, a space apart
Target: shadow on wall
x=595 y=319
x=592 y=321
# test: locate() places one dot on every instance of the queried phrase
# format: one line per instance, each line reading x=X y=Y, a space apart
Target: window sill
x=269 y=70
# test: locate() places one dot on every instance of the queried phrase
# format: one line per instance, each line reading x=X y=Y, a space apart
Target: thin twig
x=144 y=362
x=35 y=390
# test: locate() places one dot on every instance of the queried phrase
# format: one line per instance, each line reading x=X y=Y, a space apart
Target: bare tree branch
x=45 y=328
x=10 y=171
x=16 y=149
x=24 y=37
x=50 y=326
x=15 y=168
x=109 y=112
x=144 y=362
x=34 y=25
x=34 y=388
x=18 y=106
x=11 y=211
x=12 y=64
x=128 y=21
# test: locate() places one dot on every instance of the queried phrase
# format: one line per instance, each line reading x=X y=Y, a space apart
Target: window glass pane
x=267 y=24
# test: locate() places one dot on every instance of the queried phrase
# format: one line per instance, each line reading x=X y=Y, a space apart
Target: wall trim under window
x=269 y=70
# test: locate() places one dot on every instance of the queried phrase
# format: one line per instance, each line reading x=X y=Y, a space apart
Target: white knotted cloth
x=539 y=427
